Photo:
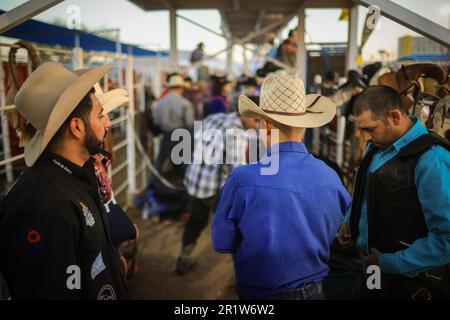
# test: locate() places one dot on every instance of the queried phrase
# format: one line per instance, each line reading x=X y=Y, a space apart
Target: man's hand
x=343 y=237
x=373 y=257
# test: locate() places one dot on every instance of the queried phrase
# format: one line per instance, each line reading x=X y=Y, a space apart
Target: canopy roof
x=242 y=17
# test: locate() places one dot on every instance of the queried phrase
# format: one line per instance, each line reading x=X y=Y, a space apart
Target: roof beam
x=236 y=5
x=411 y=20
x=167 y=3
x=225 y=25
x=25 y=11
x=259 y=20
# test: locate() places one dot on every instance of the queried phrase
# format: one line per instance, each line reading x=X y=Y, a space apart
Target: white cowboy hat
x=109 y=100
x=48 y=97
x=176 y=81
x=283 y=100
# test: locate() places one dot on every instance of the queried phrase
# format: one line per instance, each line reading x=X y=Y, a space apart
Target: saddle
x=422 y=84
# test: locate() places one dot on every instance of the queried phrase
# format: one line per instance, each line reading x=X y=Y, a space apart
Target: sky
x=151 y=29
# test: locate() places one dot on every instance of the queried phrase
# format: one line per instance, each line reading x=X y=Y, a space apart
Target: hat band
x=297 y=113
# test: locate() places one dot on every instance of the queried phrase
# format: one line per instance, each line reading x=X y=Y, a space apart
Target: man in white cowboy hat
x=280 y=224
x=54 y=238
x=173 y=111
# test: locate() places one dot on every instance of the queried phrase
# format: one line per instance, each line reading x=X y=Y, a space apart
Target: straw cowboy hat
x=283 y=100
x=176 y=81
x=109 y=100
x=48 y=97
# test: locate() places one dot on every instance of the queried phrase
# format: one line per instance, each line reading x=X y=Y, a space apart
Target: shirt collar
x=289 y=146
x=64 y=164
x=412 y=134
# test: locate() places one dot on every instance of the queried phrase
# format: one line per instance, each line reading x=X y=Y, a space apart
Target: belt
x=303 y=293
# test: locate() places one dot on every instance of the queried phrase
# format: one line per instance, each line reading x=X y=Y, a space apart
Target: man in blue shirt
x=279 y=216
x=400 y=217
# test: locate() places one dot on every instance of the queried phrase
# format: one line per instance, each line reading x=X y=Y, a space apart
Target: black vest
x=394 y=214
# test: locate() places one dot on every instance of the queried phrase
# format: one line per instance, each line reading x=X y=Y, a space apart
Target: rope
x=149 y=164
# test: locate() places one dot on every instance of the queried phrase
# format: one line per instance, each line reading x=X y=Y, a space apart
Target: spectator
x=219 y=102
x=287 y=51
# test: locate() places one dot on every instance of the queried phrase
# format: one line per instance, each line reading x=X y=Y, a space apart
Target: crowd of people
x=63 y=235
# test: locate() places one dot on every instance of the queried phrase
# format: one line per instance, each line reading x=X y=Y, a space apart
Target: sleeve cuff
x=387 y=263
x=346 y=218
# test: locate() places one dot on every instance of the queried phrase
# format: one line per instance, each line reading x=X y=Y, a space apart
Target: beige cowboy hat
x=176 y=81
x=48 y=97
x=109 y=100
x=283 y=99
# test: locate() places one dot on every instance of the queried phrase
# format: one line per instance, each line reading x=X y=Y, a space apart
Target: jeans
x=198 y=219
x=312 y=291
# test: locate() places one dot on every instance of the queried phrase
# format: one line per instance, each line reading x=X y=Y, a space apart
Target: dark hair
x=82 y=110
x=218 y=84
x=330 y=75
x=291 y=32
x=378 y=99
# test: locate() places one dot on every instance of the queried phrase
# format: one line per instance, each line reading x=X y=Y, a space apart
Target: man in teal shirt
x=400 y=216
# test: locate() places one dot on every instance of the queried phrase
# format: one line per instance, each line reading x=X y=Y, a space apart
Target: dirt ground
x=159 y=245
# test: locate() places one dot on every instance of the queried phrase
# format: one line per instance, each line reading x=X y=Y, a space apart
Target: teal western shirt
x=432 y=180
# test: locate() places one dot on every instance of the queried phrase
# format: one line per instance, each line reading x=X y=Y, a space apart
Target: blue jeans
x=312 y=291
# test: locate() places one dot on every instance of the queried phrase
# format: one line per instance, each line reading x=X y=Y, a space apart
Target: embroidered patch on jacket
x=90 y=221
x=34 y=240
x=106 y=293
x=98 y=266
x=33 y=236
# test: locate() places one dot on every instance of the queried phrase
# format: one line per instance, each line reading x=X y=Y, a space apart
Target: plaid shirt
x=205 y=177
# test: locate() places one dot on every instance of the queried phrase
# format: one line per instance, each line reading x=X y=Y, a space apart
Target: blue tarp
x=425 y=57
x=45 y=33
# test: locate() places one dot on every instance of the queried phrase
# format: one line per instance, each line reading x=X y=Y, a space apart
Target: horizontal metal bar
x=122 y=187
x=8 y=107
x=142 y=168
x=6 y=161
x=119 y=167
x=119 y=120
x=120 y=145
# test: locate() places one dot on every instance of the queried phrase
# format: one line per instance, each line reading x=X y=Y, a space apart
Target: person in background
x=287 y=51
x=221 y=88
x=171 y=112
x=329 y=85
x=198 y=53
x=124 y=233
x=203 y=181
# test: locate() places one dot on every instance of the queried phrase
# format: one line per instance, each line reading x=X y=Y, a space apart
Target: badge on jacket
x=90 y=221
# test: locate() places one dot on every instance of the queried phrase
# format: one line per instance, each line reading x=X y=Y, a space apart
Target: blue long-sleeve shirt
x=280 y=226
x=432 y=180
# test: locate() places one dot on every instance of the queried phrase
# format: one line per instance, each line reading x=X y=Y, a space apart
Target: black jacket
x=394 y=213
x=51 y=223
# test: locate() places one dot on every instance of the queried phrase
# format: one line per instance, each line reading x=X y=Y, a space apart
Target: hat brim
x=322 y=112
x=113 y=103
x=64 y=106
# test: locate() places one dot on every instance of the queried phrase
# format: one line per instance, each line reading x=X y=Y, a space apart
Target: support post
x=352 y=41
x=5 y=130
x=173 y=39
x=301 y=48
x=244 y=60
x=230 y=61
x=131 y=151
x=77 y=54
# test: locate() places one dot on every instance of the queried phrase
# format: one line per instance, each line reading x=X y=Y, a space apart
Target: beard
x=92 y=144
